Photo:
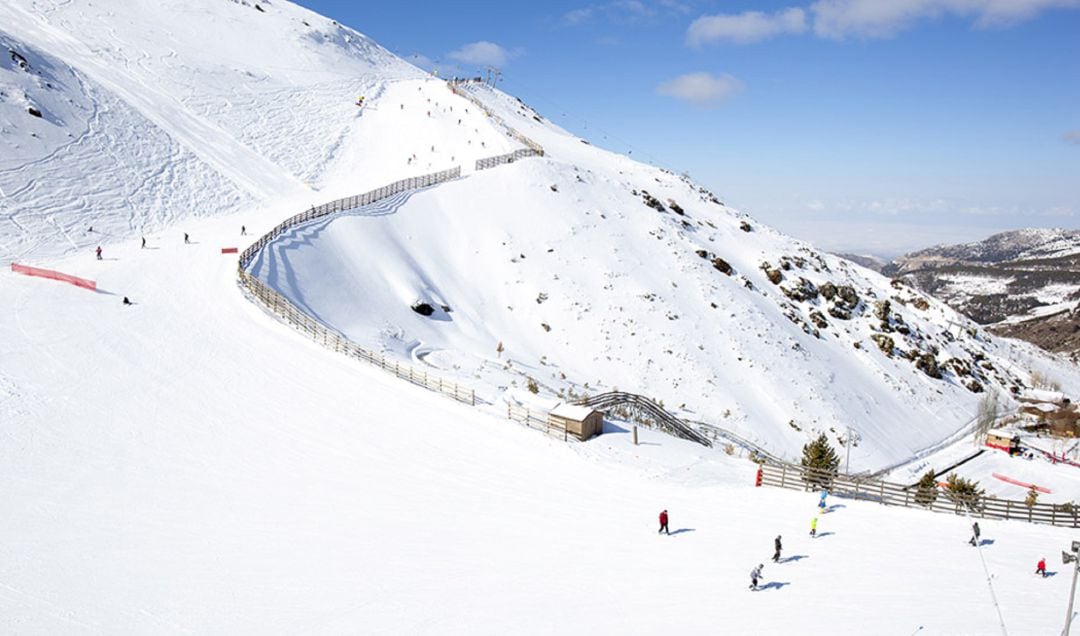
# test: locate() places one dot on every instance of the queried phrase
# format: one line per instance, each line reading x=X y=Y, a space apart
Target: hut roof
x=571 y=411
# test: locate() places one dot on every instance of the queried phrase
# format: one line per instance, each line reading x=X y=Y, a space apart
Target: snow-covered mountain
x=188 y=463
x=593 y=271
x=1025 y=283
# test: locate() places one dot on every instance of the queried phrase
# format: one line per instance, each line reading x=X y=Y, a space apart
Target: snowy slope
x=590 y=289
x=157 y=111
x=189 y=464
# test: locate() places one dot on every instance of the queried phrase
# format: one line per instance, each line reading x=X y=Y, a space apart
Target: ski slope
x=189 y=464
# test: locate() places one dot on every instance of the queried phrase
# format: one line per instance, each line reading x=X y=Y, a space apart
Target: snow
x=190 y=464
x=572 y=411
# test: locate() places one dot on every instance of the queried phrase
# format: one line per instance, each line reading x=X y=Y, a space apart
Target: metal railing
x=651 y=410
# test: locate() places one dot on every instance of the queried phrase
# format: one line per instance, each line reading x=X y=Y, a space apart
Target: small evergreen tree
x=819 y=456
x=964 y=491
x=926 y=492
x=532 y=386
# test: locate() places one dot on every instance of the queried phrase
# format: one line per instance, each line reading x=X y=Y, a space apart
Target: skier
x=143 y=246
x=776 y=555
x=821 y=504
x=126 y=301
x=1041 y=567
x=186 y=238
x=663 y=523
x=98 y=252
x=813 y=527
x=975 y=534
x=755 y=575
x=243 y=230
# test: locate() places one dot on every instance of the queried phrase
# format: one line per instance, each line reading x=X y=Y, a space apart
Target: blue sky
x=877 y=126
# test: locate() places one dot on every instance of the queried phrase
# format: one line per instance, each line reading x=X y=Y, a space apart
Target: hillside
x=1026 y=284
x=190 y=463
x=593 y=271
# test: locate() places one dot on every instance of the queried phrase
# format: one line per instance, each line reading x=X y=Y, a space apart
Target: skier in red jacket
x=1041 y=567
x=663 y=523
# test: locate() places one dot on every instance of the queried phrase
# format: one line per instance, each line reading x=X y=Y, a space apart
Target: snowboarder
x=126 y=301
x=663 y=523
x=1040 y=568
x=813 y=527
x=755 y=575
x=776 y=544
x=98 y=252
x=143 y=246
x=186 y=238
x=243 y=230
x=974 y=534
x=821 y=504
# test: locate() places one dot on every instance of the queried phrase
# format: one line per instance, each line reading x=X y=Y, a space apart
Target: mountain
x=191 y=463
x=593 y=271
x=870 y=262
x=1025 y=283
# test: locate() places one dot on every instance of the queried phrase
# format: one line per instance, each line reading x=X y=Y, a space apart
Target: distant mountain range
x=1022 y=284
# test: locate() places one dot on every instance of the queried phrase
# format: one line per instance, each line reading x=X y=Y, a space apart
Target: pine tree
x=821 y=459
x=964 y=491
x=926 y=492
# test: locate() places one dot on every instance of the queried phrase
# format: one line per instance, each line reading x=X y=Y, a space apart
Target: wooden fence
x=510 y=157
x=935 y=499
x=537 y=149
x=293 y=316
x=537 y=419
x=347 y=203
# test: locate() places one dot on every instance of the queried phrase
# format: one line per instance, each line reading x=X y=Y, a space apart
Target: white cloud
x=483 y=53
x=746 y=27
x=838 y=19
x=701 y=89
x=625 y=11
x=1073 y=137
x=578 y=16
x=420 y=60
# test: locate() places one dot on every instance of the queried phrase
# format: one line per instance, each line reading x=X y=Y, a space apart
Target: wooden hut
x=579 y=421
x=1003 y=442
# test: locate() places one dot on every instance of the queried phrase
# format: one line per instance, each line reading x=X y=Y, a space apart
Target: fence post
x=783 y=476
x=882 y=495
x=1008 y=508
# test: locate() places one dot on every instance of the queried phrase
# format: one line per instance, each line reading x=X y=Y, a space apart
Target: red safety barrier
x=757 y=480
x=1015 y=482
x=228 y=250
x=60 y=276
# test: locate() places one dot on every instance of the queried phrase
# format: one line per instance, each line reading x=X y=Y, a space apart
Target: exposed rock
x=819 y=319
x=722 y=265
x=927 y=363
x=885 y=343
